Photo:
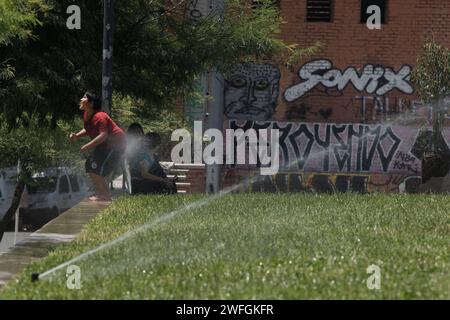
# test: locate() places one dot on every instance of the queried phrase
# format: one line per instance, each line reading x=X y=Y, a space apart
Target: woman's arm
x=102 y=137
x=82 y=133
x=145 y=167
x=76 y=136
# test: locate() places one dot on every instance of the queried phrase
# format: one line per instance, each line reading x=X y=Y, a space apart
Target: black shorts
x=102 y=161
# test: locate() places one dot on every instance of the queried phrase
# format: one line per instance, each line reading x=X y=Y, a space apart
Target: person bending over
x=106 y=147
x=147 y=175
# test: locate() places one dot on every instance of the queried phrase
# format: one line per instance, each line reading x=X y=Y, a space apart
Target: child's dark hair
x=135 y=129
x=94 y=99
x=153 y=138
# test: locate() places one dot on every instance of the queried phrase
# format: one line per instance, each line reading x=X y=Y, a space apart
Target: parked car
x=50 y=193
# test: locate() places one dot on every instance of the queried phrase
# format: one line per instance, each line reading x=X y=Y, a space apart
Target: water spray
x=36 y=277
x=169 y=216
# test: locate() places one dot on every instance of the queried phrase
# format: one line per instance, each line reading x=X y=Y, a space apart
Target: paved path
x=62 y=229
x=8 y=240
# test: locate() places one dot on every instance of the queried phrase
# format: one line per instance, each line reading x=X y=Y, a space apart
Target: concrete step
x=189 y=166
x=182 y=177
x=178 y=171
x=183 y=184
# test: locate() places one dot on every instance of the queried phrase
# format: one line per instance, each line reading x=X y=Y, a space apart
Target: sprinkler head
x=34 y=277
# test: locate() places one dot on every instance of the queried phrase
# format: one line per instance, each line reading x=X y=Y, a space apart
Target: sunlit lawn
x=258 y=246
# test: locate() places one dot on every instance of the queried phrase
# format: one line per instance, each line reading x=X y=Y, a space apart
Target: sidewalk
x=8 y=240
x=62 y=229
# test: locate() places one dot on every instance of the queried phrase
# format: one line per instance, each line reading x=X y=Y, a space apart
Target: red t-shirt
x=102 y=122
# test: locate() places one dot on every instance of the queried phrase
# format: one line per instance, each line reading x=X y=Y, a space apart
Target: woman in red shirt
x=107 y=144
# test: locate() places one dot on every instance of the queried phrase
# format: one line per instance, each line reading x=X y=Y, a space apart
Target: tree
x=35 y=148
x=432 y=79
x=158 y=53
x=17 y=19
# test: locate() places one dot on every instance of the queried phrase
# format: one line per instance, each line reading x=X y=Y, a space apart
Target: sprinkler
x=35 y=277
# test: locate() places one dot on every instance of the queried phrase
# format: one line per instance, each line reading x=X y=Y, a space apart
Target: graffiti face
x=251 y=92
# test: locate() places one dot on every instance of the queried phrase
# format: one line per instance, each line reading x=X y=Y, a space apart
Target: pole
x=214 y=121
x=16 y=217
x=213 y=87
x=215 y=110
x=107 y=66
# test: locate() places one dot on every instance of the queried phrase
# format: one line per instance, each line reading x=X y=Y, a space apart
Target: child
x=107 y=144
x=147 y=176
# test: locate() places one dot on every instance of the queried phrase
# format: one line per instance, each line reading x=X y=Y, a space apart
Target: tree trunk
x=20 y=186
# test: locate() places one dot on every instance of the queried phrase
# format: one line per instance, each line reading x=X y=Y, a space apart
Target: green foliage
x=164 y=121
x=18 y=18
x=158 y=54
x=129 y=110
x=432 y=79
x=256 y=246
x=432 y=72
x=37 y=146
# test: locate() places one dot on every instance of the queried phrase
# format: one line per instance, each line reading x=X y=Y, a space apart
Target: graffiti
x=279 y=183
x=335 y=147
x=302 y=111
x=407 y=162
x=251 y=91
x=311 y=182
x=325 y=113
x=402 y=183
x=382 y=108
x=373 y=79
x=321 y=182
x=195 y=9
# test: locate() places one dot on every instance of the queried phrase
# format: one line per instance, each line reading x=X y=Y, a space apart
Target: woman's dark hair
x=153 y=138
x=94 y=99
x=135 y=129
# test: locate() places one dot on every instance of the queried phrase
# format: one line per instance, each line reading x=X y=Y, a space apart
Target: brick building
x=349 y=117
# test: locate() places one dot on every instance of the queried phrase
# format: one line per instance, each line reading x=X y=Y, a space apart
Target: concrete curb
x=63 y=229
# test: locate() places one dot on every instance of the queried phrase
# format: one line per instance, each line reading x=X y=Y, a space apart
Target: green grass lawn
x=258 y=246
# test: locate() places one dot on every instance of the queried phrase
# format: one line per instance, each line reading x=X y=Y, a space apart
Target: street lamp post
x=107 y=66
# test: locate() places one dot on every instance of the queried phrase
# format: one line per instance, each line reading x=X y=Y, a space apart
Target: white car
x=51 y=193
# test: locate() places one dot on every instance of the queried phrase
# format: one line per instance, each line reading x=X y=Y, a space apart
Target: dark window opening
x=319 y=10
x=64 y=185
x=367 y=3
x=74 y=184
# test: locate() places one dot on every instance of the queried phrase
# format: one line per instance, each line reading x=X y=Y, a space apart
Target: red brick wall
x=350 y=46
x=196 y=177
x=350 y=43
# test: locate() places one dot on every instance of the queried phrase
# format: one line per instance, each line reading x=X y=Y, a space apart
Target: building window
x=319 y=10
x=367 y=3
